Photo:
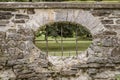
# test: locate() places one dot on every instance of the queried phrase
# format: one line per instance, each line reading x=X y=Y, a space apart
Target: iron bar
x=76 y=41
x=54 y=54
x=62 y=40
x=46 y=39
x=69 y=53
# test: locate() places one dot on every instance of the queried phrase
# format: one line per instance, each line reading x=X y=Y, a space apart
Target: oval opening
x=63 y=39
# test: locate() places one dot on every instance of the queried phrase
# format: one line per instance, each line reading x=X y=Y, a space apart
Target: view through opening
x=63 y=39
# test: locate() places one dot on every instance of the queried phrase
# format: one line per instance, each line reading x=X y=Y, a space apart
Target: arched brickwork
x=85 y=18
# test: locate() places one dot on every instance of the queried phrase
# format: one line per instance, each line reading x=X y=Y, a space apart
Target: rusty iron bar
x=76 y=41
x=69 y=53
x=61 y=40
x=46 y=39
x=54 y=54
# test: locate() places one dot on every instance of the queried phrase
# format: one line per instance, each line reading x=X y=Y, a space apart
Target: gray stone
x=107 y=21
x=106 y=75
x=7 y=75
x=101 y=12
x=5 y=15
x=118 y=21
x=2 y=35
x=30 y=11
x=18 y=21
x=11 y=43
x=4 y=22
x=92 y=71
x=109 y=42
x=20 y=59
x=115 y=51
x=94 y=65
x=21 y=16
x=98 y=60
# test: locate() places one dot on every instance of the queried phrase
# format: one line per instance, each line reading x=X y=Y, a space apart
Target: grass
x=50 y=38
x=117 y=77
x=68 y=46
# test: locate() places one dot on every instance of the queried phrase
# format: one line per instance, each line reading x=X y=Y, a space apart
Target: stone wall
x=20 y=59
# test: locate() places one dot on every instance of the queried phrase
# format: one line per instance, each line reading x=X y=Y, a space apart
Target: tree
x=68 y=30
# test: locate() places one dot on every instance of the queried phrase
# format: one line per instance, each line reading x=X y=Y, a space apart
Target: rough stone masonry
x=20 y=59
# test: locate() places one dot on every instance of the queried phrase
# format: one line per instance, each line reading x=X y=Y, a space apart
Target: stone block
x=22 y=45
x=15 y=37
x=4 y=22
x=12 y=30
x=110 y=41
x=115 y=52
x=5 y=15
x=11 y=43
x=30 y=11
x=98 y=60
x=101 y=12
x=19 y=21
x=25 y=31
x=92 y=71
x=117 y=21
x=26 y=76
x=106 y=75
x=68 y=73
x=115 y=59
x=94 y=65
x=2 y=35
x=21 y=16
x=7 y=74
x=107 y=21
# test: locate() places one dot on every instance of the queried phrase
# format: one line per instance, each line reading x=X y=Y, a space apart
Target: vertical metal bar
x=62 y=40
x=46 y=39
x=69 y=53
x=54 y=54
x=76 y=41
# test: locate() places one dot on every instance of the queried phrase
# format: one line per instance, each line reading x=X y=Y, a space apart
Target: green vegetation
x=66 y=32
x=69 y=46
x=117 y=77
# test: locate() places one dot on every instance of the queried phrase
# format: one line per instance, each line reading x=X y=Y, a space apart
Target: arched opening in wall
x=63 y=39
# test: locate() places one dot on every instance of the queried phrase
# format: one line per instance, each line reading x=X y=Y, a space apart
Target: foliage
x=63 y=29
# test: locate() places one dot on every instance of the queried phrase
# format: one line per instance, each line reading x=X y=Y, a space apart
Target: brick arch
x=85 y=18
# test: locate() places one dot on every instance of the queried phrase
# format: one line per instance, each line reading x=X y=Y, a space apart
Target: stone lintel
x=60 y=5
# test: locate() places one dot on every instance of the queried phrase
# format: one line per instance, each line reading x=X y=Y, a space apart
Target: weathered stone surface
x=30 y=11
x=101 y=12
x=21 y=16
x=3 y=22
x=106 y=75
x=2 y=35
x=92 y=71
x=98 y=60
x=7 y=74
x=107 y=21
x=115 y=52
x=20 y=59
x=5 y=15
x=118 y=21
x=18 y=21
x=109 y=42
